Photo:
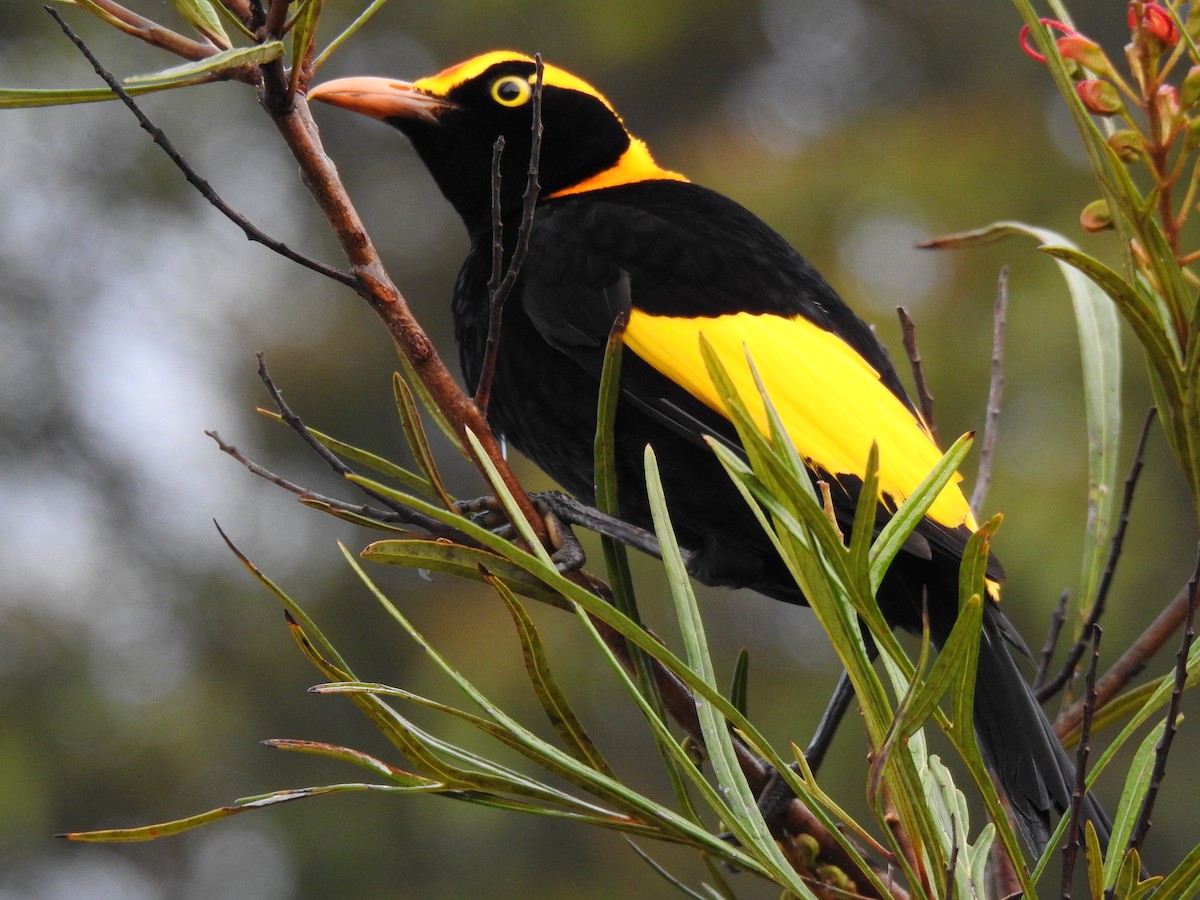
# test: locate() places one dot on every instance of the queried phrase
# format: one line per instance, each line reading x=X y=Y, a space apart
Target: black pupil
x=508 y=90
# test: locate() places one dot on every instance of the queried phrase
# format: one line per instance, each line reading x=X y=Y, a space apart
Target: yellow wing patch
x=831 y=401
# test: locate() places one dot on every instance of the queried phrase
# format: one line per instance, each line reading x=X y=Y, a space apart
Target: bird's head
x=453 y=119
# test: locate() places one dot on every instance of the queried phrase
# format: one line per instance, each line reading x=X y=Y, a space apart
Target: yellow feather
x=831 y=401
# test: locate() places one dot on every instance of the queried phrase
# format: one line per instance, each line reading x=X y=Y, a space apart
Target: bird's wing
x=676 y=290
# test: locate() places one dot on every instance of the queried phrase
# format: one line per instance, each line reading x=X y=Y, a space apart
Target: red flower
x=1155 y=21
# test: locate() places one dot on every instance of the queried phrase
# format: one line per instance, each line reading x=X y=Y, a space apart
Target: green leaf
x=904 y=520
x=554 y=702
x=358 y=758
x=746 y=822
x=304 y=34
x=1137 y=782
x=177 y=826
x=211 y=66
x=418 y=442
x=15 y=98
x=1100 y=353
x=201 y=16
x=365 y=458
x=1183 y=882
x=462 y=562
x=740 y=684
x=349 y=31
x=504 y=495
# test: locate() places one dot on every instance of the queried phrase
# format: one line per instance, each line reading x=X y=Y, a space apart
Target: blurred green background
x=140 y=664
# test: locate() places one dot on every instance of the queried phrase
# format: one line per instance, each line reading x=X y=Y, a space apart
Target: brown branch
x=373 y=285
x=1067 y=672
x=276 y=19
x=152 y=33
x=1132 y=661
x=1070 y=846
x=499 y=290
x=908 y=329
x=1170 y=726
x=991 y=422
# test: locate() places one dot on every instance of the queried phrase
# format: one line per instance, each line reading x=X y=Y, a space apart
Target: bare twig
x=402 y=516
x=1131 y=662
x=251 y=231
x=991 y=422
x=1057 y=618
x=909 y=330
x=1170 y=725
x=499 y=289
x=1054 y=685
x=1070 y=846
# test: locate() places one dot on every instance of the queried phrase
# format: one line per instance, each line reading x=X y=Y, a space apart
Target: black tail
x=1019 y=744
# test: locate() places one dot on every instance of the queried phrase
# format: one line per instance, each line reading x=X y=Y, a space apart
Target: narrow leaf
x=554 y=702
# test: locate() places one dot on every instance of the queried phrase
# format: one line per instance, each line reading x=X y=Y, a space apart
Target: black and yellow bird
x=616 y=233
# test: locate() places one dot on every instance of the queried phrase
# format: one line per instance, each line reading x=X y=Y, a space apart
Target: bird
x=614 y=234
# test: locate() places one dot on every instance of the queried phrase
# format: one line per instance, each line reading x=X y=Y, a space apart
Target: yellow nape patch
x=448 y=79
x=831 y=401
x=635 y=164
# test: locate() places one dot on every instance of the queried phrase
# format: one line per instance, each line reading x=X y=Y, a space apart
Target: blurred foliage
x=140 y=665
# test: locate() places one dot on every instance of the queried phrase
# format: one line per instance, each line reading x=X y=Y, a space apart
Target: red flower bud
x=1084 y=51
x=1028 y=47
x=1096 y=217
x=1099 y=97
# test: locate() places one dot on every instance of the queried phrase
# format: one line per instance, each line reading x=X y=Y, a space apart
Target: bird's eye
x=511 y=90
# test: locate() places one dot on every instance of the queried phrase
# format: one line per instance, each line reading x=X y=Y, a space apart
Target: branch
x=251 y=231
x=499 y=290
x=1050 y=688
x=1170 y=726
x=149 y=31
x=909 y=329
x=1132 y=661
x=1057 y=619
x=991 y=422
x=1070 y=846
x=402 y=516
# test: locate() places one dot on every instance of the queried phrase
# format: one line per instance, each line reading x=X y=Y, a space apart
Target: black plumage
x=614 y=233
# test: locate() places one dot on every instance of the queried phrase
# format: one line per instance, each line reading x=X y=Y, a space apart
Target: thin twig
x=403 y=516
x=991 y=422
x=498 y=295
x=952 y=862
x=1170 y=726
x=908 y=329
x=1131 y=662
x=1070 y=846
x=1057 y=619
x=251 y=231
x=1067 y=672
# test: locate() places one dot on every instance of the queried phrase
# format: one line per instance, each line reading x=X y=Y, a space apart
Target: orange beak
x=380 y=98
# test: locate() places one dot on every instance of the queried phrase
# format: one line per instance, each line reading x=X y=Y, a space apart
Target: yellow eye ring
x=511 y=90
